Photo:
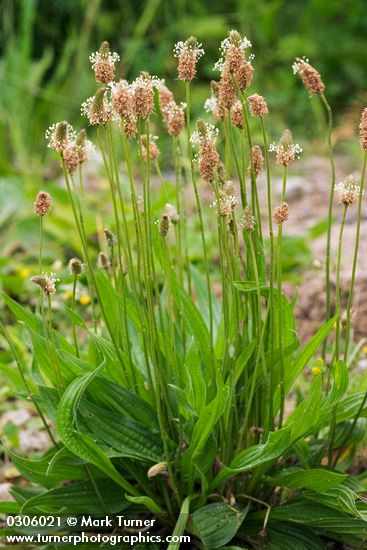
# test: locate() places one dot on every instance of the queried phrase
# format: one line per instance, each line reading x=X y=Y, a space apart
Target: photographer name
x=120 y=521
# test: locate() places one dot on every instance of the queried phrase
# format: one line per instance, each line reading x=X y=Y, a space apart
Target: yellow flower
x=364 y=349
x=316 y=370
x=24 y=272
x=68 y=294
x=84 y=299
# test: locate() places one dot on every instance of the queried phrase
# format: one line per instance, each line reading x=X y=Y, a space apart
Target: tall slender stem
x=280 y=312
x=330 y=211
x=73 y=323
x=200 y=214
x=355 y=258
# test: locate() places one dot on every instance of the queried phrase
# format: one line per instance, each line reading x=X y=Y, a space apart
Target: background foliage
x=45 y=45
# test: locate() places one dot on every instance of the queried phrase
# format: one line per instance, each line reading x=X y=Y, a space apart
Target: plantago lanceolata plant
x=172 y=394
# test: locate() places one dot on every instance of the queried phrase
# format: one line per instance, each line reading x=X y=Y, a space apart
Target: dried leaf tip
x=42 y=204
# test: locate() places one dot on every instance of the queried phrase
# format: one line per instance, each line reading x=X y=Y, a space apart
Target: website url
x=84 y=538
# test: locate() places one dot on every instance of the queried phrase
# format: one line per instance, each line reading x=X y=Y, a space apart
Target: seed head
x=257 y=159
x=244 y=75
x=97 y=108
x=59 y=135
x=309 y=76
x=237 y=115
x=188 y=54
x=171 y=212
x=83 y=145
x=122 y=98
x=154 y=151
x=46 y=282
x=42 y=204
x=286 y=151
x=174 y=118
x=348 y=191
x=226 y=91
x=130 y=127
x=110 y=238
x=103 y=63
x=165 y=97
x=281 y=213
x=258 y=106
x=248 y=221
x=164 y=225
x=71 y=157
x=227 y=203
x=103 y=262
x=143 y=95
x=363 y=129
x=75 y=266
x=232 y=51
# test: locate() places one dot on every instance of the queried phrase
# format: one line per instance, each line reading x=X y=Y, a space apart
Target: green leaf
x=208 y=418
x=79 y=497
x=216 y=524
x=22 y=313
x=318 y=480
x=83 y=445
x=243 y=360
x=124 y=435
x=147 y=502
x=196 y=325
x=306 y=415
x=181 y=524
x=250 y=286
x=37 y=471
x=276 y=444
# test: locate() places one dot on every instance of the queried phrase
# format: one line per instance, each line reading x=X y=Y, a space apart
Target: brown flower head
x=237 y=115
x=174 y=118
x=248 y=221
x=257 y=160
x=103 y=63
x=165 y=97
x=348 y=191
x=143 y=95
x=244 y=75
x=97 y=108
x=232 y=51
x=110 y=238
x=286 y=151
x=154 y=151
x=309 y=76
x=130 y=127
x=122 y=98
x=188 y=53
x=103 y=262
x=42 y=204
x=71 y=157
x=84 y=146
x=46 y=282
x=164 y=225
x=75 y=266
x=59 y=135
x=209 y=161
x=281 y=213
x=258 y=106
x=363 y=129
x=226 y=91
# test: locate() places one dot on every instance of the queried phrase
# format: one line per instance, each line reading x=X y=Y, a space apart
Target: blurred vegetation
x=45 y=44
